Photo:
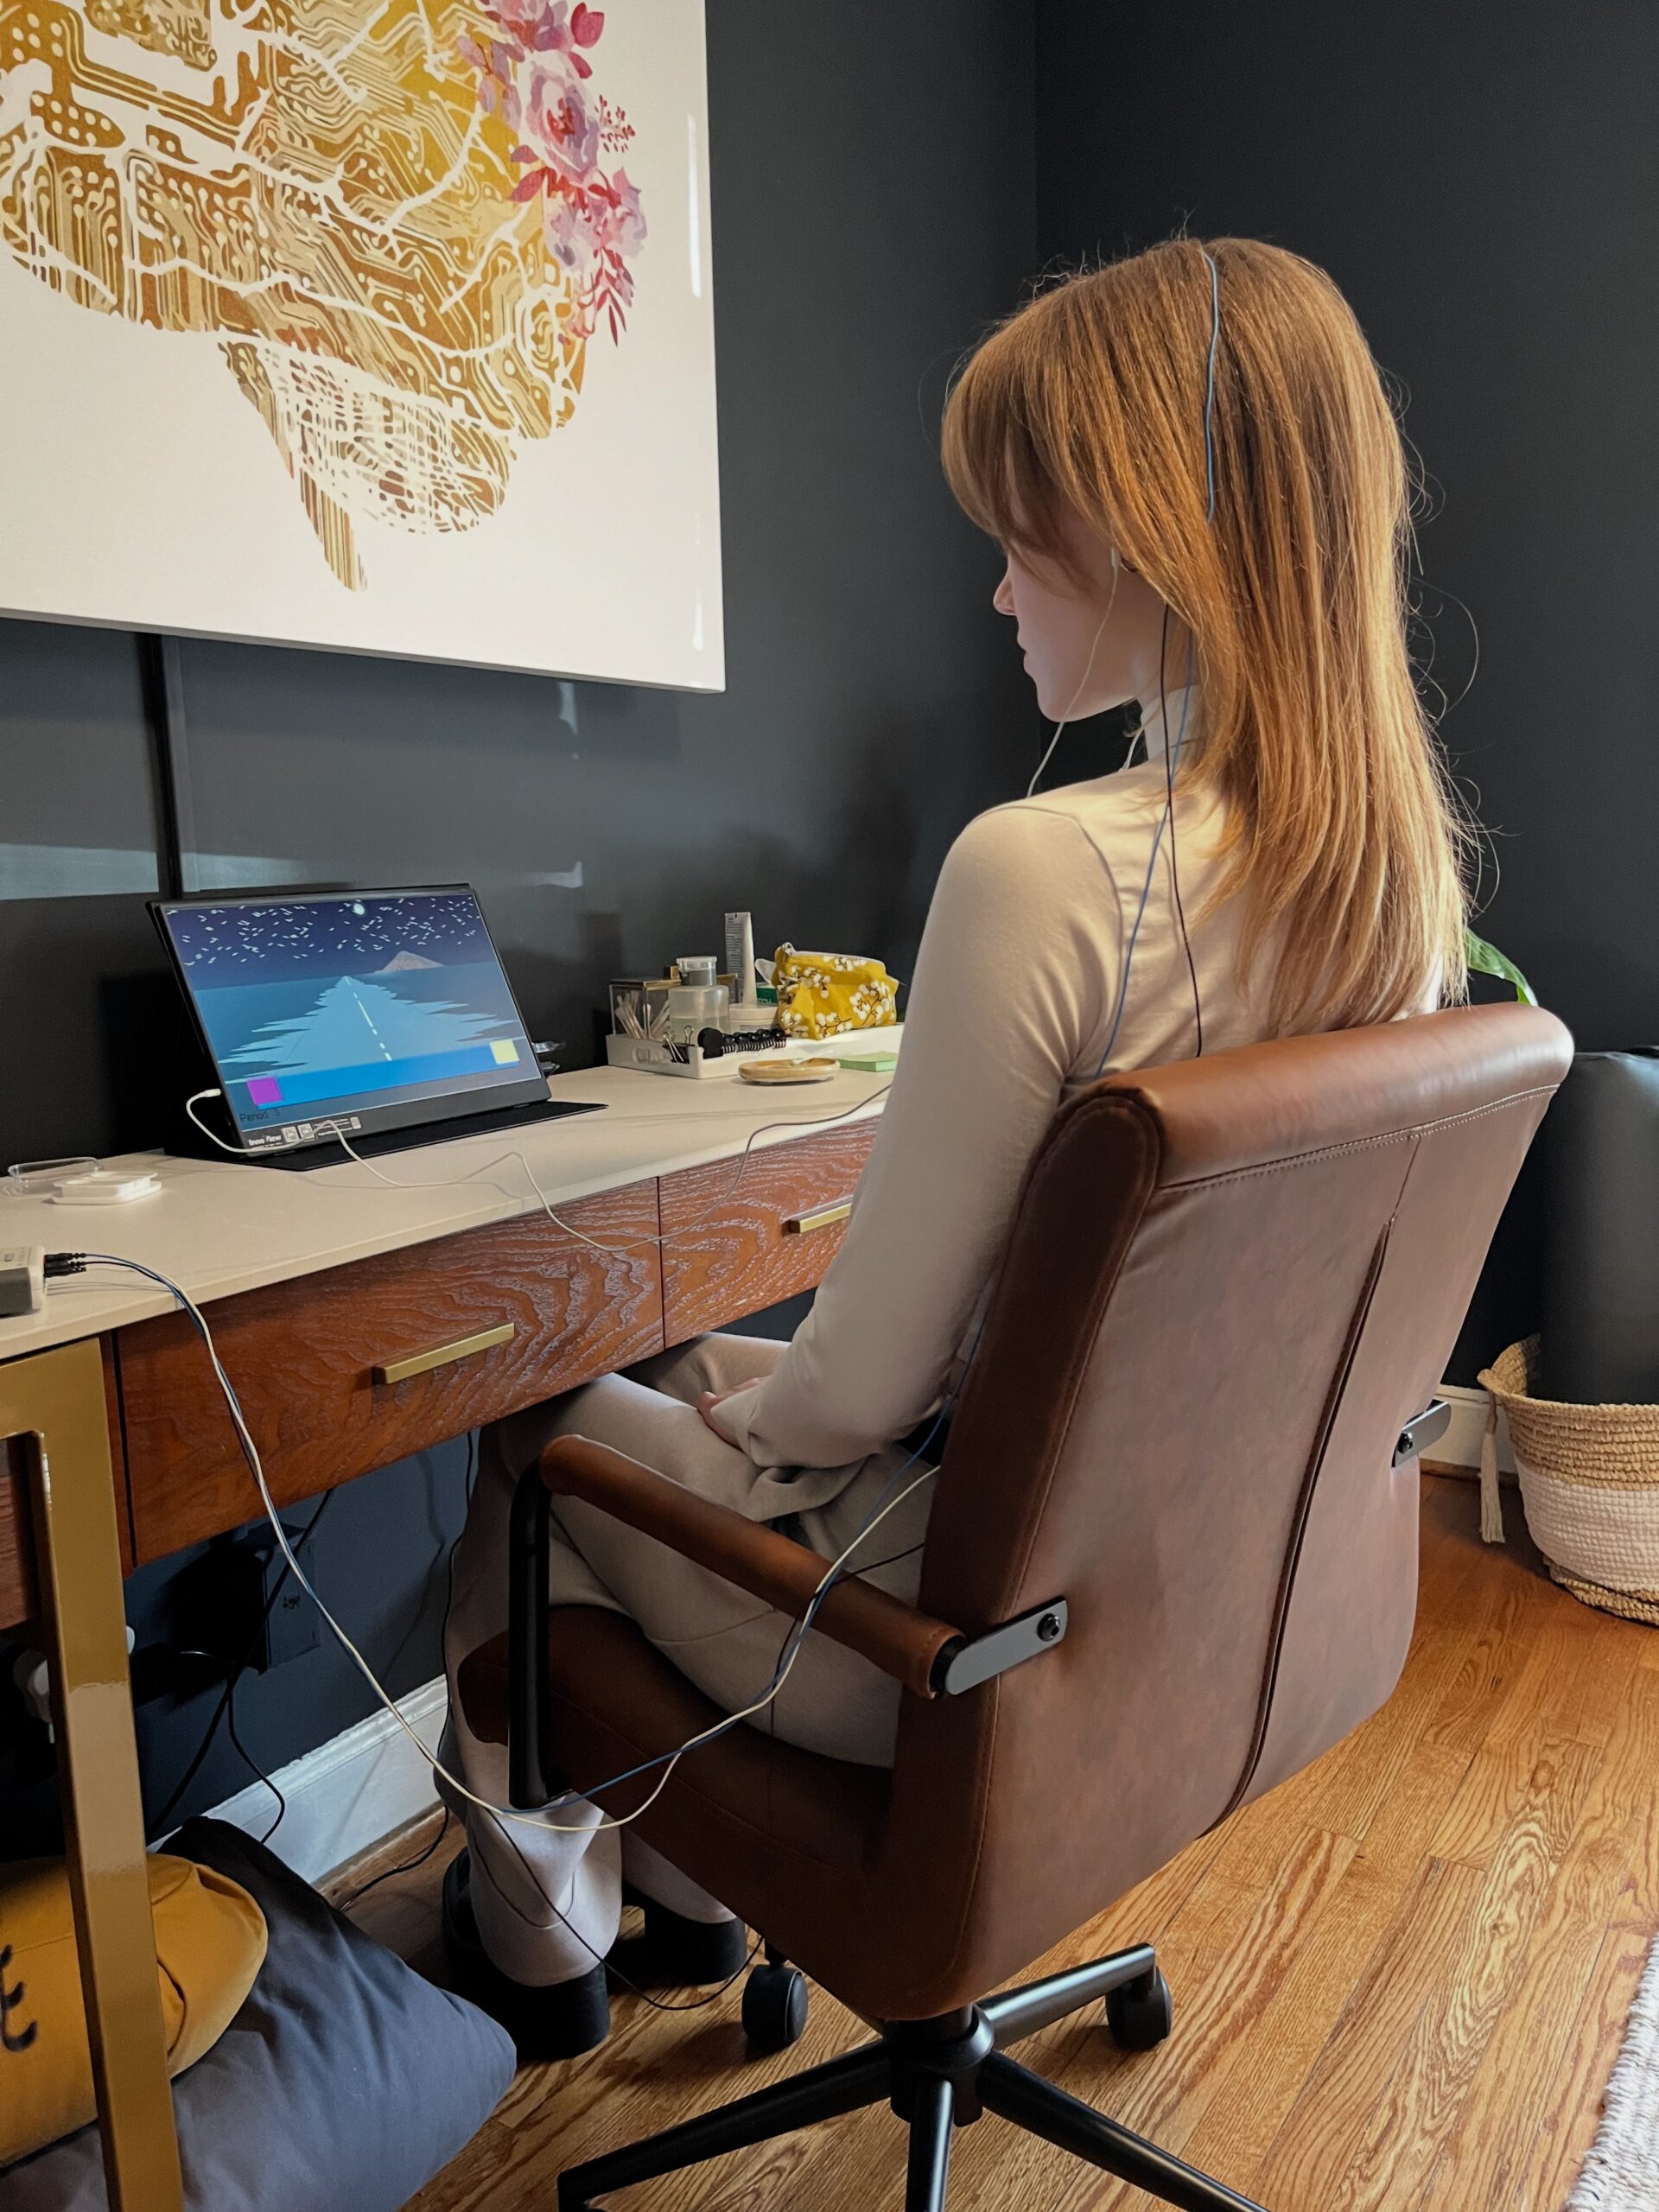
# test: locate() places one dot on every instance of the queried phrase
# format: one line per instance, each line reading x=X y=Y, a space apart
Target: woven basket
x=1590 y=1483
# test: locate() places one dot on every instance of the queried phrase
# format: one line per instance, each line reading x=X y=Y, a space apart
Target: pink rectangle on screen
x=264 y=1091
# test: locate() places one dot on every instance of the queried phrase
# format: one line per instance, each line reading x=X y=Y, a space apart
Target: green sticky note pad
x=870 y=1063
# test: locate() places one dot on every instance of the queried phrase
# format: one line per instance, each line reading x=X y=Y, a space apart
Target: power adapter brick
x=25 y=1270
x=23 y=1279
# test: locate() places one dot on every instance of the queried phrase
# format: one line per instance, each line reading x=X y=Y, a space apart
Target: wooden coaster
x=773 y=1070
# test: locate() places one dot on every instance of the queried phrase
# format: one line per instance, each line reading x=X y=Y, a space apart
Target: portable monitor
x=385 y=1012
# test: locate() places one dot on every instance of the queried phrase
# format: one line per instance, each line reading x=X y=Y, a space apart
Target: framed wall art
x=378 y=325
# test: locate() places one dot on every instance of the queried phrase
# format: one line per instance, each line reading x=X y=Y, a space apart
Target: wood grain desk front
x=360 y=1324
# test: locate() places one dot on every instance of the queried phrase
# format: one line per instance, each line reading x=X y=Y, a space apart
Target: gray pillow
x=343 y=2085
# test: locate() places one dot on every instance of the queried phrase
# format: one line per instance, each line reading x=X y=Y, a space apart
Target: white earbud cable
x=1087 y=671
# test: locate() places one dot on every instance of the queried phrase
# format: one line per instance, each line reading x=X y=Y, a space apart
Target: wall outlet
x=222 y=1595
x=294 y=1626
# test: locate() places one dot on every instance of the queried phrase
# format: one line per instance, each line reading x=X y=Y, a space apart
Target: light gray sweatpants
x=549 y=1898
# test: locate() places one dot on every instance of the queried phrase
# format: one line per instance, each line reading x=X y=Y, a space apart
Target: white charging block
x=21 y=1279
x=106 y=1187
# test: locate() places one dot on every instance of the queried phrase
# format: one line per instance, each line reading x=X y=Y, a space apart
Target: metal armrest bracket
x=965 y=1666
x=1422 y=1430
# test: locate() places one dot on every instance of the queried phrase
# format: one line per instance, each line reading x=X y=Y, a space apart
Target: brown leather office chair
x=1181 y=1481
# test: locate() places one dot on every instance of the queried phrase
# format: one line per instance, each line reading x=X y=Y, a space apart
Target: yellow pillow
x=210 y=1945
x=823 y=994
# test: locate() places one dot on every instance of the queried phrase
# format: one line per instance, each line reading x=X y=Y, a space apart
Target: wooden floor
x=1400 y=1980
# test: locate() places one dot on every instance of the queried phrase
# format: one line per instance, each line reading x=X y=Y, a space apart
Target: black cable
x=158 y=1825
x=194 y=1651
x=408 y=1867
x=1175 y=864
x=248 y=1760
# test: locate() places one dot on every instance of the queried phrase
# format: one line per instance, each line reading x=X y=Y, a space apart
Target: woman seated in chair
x=1190 y=465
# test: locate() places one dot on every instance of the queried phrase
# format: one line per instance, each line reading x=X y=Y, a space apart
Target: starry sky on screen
x=368 y=935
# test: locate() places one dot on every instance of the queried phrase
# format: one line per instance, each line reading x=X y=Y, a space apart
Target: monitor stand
x=500 y=1121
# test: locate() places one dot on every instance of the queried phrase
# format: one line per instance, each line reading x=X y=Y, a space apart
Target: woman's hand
x=711 y=1399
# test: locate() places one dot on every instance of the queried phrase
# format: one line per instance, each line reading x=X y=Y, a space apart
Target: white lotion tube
x=739 y=957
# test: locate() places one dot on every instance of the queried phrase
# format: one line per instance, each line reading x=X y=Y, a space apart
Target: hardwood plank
x=1173 y=2090
x=1629 y=1782
x=1398 y=1838
x=1484 y=2164
x=1556 y=2134
x=1310 y=2156
x=1574 y=1675
x=1345 y=1791
x=1411 y=2123
x=1537 y=1775
x=1258 y=2082
x=1494 y=1657
x=1261 y=2078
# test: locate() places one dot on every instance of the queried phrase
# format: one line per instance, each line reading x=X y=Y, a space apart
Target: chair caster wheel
x=1142 y=2013
x=775 y=2007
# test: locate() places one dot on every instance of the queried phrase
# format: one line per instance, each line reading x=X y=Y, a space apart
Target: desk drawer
x=732 y=1246
x=346 y=1371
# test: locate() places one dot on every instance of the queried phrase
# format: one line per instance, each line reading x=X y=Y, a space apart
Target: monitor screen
x=375 y=1010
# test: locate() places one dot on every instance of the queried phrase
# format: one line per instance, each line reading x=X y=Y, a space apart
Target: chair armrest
x=894 y=1636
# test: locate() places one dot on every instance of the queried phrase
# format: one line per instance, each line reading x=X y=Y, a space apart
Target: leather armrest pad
x=894 y=1636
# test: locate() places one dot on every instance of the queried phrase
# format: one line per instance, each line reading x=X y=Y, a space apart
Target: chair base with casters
x=938 y=2075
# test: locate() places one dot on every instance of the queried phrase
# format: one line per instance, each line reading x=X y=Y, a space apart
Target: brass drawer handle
x=802 y=1224
x=422 y=1363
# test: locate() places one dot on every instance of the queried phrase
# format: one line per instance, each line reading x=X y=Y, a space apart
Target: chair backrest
x=1230 y=1285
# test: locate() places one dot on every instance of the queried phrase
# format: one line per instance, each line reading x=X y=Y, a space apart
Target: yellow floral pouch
x=210 y=1944
x=823 y=994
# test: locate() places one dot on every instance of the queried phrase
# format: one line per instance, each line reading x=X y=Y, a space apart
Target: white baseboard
x=1460 y=1446
x=347 y=1794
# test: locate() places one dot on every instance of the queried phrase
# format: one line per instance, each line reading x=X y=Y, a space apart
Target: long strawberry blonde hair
x=1345 y=839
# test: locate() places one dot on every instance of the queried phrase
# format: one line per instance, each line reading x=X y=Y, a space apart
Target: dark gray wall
x=1483 y=181
x=863 y=238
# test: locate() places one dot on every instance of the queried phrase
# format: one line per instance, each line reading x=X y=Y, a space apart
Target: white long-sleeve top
x=1012 y=1006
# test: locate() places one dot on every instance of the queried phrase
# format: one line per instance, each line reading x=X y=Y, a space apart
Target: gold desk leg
x=54 y=1401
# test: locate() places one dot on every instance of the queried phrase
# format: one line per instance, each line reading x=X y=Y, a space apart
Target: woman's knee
x=719 y=1361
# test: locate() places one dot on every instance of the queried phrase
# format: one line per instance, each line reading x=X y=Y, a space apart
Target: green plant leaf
x=1486 y=960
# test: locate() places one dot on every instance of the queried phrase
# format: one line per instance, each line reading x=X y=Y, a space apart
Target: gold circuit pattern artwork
x=398 y=219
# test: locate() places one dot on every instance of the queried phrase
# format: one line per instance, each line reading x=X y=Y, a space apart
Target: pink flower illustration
x=561 y=130
x=534 y=75
x=623 y=225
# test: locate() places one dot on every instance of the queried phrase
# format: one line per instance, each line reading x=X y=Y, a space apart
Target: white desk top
x=217 y=1227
